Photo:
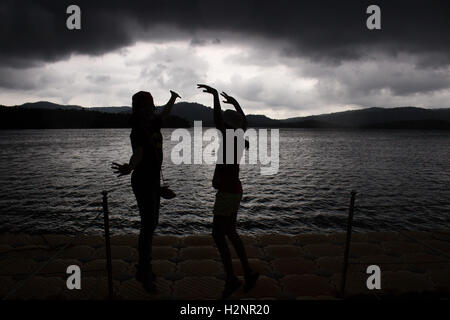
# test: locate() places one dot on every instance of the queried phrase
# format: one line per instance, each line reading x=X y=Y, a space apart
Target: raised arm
x=233 y=101
x=168 y=107
x=218 y=119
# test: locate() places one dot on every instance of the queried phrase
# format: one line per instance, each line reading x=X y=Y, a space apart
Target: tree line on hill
x=18 y=118
x=44 y=114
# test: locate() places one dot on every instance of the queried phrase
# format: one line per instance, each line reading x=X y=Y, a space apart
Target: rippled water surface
x=51 y=181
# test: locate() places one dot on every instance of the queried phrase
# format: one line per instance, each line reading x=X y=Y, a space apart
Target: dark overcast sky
x=320 y=53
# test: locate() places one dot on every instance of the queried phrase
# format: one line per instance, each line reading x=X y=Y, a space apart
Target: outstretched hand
x=229 y=99
x=207 y=89
x=174 y=94
x=121 y=169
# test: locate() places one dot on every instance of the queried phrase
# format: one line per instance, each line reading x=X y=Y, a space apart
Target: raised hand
x=207 y=89
x=229 y=99
x=174 y=94
x=121 y=169
x=233 y=101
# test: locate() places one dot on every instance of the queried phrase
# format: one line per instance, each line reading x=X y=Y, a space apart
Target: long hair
x=140 y=100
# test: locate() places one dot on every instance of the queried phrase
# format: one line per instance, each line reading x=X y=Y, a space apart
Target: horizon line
x=254 y=114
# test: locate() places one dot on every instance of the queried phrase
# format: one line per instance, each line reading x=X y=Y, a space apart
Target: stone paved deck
x=301 y=267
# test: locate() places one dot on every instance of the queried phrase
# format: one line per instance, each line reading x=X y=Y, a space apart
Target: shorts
x=226 y=203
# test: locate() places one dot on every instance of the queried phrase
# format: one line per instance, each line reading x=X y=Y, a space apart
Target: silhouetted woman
x=229 y=194
x=145 y=163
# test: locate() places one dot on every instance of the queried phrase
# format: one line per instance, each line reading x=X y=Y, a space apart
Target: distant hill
x=193 y=112
x=188 y=110
x=49 y=106
x=377 y=118
x=402 y=117
x=185 y=113
x=58 y=117
x=123 y=109
x=54 y=106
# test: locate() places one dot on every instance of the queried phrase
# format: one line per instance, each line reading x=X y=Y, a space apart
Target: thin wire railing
x=38 y=270
x=355 y=208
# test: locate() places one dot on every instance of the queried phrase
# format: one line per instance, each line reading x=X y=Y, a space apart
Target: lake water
x=51 y=182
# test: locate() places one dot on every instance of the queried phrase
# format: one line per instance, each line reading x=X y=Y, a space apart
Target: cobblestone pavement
x=307 y=266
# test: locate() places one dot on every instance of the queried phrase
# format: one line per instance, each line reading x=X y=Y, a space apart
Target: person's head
x=142 y=100
x=233 y=120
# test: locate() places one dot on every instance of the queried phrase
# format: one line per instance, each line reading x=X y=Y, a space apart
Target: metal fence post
x=347 y=242
x=107 y=245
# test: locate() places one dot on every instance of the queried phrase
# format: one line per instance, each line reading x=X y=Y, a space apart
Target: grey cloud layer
x=327 y=31
x=406 y=63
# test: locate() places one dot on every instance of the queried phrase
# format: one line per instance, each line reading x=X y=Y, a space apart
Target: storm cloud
x=321 y=50
x=329 y=30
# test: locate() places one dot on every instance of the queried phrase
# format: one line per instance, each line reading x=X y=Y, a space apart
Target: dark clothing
x=146 y=133
x=145 y=181
x=148 y=200
x=226 y=176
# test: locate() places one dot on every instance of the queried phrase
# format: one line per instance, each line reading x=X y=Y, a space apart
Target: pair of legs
x=224 y=225
x=148 y=200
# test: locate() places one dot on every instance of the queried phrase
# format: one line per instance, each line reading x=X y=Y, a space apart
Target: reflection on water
x=51 y=181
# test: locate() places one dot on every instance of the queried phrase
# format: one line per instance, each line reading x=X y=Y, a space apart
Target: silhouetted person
x=229 y=194
x=145 y=163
